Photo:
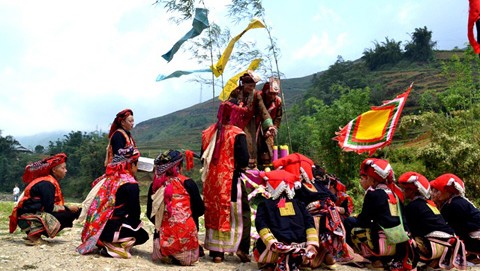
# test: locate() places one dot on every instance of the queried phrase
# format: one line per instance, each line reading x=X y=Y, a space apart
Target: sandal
x=37 y=242
x=244 y=258
x=217 y=259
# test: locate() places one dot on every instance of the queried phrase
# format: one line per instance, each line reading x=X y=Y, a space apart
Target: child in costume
x=448 y=191
x=287 y=232
x=320 y=203
x=436 y=241
x=369 y=232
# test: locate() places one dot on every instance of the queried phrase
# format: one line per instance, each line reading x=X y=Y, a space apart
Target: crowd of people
x=305 y=218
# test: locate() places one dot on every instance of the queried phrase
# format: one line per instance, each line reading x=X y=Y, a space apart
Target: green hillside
x=182 y=129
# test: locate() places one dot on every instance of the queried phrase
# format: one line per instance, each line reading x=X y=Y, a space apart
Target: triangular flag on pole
x=222 y=62
x=373 y=129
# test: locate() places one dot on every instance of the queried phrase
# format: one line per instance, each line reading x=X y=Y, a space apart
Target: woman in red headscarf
x=41 y=210
x=288 y=238
x=448 y=192
x=119 y=136
x=382 y=210
x=437 y=244
x=227 y=211
x=113 y=219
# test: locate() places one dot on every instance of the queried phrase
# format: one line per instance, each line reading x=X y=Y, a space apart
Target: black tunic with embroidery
x=464 y=218
x=312 y=192
x=287 y=228
x=42 y=198
x=118 y=141
x=376 y=212
x=423 y=220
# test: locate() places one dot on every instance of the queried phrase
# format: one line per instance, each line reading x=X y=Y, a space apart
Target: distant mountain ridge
x=31 y=141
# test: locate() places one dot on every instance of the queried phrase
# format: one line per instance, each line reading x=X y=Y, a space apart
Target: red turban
x=117 y=122
x=420 y=181
x=279 y=181
x=43 y=167
x=450 y=183
x=297 y=164
x=379 y=169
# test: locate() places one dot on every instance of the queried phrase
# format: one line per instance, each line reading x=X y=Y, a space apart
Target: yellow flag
x=232 y=82
x=218 y=68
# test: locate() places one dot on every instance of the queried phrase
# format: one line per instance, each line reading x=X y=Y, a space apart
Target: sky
x=72 y=65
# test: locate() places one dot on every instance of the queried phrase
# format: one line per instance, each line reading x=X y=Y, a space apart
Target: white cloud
x=82 y=62
x=321 y=46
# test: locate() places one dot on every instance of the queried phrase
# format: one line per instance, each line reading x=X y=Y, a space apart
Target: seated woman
x=320 y=203
x=437 y=244
x=173 y=206
x=344 y=202
x=287 y=232
x=41 y=210
x=448 y=192
x=381 y=210
x=113 y=219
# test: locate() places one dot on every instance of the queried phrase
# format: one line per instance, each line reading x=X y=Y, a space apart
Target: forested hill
x=182 y=129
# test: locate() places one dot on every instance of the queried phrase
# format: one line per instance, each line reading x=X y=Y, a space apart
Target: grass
x=6 y=208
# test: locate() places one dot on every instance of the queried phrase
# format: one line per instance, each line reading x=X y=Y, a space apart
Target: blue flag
x=161 y=77
x=200 y=22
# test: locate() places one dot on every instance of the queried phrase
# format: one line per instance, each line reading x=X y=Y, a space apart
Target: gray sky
x=72 y=65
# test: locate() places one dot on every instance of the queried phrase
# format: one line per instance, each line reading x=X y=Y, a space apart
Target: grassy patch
x=6 y=208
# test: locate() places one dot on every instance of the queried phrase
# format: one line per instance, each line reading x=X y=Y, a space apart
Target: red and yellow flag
x=373 y=129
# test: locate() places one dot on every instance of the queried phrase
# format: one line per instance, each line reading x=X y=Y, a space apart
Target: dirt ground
x=60 y=254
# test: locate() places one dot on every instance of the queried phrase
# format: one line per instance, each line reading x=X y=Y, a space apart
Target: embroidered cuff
x=267 y=123
x=312 y=237
x=267 y=237
x=58 y=208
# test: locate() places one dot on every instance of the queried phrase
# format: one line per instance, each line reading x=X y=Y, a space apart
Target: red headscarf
x=228 y=114
x=297 y=164
x=43 y=167
x=272 y=86
x=117 y=122
x=279 y=181
x=381 y=171
x=449 y=182
x=420 y=181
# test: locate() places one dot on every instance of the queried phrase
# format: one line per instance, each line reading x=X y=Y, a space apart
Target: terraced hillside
x=182 y=129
